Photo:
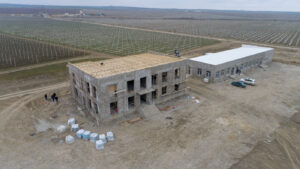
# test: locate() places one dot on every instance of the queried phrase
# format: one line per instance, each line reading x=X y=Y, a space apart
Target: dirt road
x=89 y=54
x=34 y=91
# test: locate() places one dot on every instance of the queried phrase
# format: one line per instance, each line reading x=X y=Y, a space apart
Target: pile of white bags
x=100 y=140
x=79 y=133
x=86 y=135
x=71 y=121
x=74 y=127
x=69 y=139
x=99 y=145
x=93 y=137
x=102 y=137
x=110 y=136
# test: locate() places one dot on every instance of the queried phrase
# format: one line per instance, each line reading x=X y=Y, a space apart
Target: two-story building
x=112 y=87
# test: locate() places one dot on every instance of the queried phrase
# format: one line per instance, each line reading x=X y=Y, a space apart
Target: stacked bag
x=99 y=139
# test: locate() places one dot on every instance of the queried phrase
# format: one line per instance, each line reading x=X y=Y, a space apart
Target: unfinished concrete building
x=220 y=66
x=113 y=87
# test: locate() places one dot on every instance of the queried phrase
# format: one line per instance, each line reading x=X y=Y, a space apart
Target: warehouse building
x=113 y=87
x=220 y=66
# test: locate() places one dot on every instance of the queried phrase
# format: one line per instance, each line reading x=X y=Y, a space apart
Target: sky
x=252 y=5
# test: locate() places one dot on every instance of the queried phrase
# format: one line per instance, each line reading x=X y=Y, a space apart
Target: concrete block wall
x=104 y=97
x=243 y=64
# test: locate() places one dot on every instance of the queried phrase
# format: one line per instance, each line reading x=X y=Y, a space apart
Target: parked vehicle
x=239 y=84
x=248 y=81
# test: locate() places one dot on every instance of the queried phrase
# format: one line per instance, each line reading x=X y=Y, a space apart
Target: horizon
x=146 y=7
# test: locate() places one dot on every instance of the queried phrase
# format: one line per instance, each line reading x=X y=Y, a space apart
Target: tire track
x=34 y=91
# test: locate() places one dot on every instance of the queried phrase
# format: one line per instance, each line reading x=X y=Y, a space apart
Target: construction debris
x=71 y=121
x=94 y=137
x=102 y=137
x=75 y=127
x=86 y=135
x=99 y=145
x=61 y=128
x=100 y=140
x=134 y=120
x=110 y=136
x=79 y=133
x=69 y=139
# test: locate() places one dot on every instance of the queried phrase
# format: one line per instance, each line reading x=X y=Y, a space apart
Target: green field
x=105 y=39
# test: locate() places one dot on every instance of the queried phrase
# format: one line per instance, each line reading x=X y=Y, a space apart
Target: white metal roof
x=230 y=55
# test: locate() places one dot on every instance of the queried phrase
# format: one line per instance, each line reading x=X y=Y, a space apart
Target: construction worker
x=46 y=97
x=53 y=96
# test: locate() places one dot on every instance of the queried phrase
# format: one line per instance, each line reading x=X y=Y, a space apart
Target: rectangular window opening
x=176 y=87
x=114 y=108
x=188 y=70
x=154 y=94
x=83 y=100
x=90 y=103
x=76 y=92
x=130 y=85
x=131 y=102
x=143 y=98
x=154 y=79
x=217 y=74
x=222 y=73
x=177 y=73
x=112 y=89
x=164 y=90
x=94 y=91
x=232 y=71
x=164 y=76
x=96 y=108
x=81 y=83
x=143 y=82
x=74 y=78
x=88 y=87
x=199 y=71
x=208 y=74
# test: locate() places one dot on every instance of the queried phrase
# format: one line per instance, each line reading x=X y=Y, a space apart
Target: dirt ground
x=282 y=150
x=229 y=127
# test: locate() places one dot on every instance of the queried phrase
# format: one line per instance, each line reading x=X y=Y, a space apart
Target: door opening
x=143 y=98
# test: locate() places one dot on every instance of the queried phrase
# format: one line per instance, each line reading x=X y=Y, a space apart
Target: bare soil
x=227 y=128
x=281 y=150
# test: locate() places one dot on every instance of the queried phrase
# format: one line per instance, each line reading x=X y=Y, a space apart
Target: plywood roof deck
x=124 y=64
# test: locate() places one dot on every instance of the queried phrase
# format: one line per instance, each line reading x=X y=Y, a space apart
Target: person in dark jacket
x=53 y=96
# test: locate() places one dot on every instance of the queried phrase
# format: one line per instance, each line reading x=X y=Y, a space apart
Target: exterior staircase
x=148 y=110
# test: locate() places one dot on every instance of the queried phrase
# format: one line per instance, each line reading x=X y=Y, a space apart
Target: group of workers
x=53 y=97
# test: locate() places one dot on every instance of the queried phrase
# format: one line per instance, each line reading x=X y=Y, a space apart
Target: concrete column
x=137 y=100
x=148 y=81
x=171 y=75
x=149 y=98
x=137 y=85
